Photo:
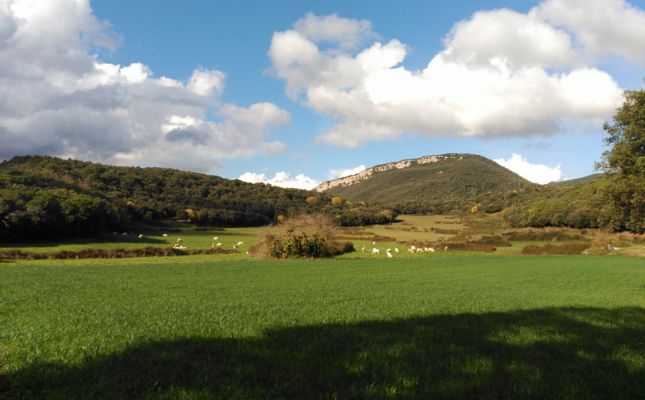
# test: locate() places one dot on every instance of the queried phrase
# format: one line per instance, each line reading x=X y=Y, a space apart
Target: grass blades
x=451 y=326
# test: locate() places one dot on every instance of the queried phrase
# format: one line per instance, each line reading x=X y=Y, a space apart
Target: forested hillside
x=578 y=203
x=42 y=197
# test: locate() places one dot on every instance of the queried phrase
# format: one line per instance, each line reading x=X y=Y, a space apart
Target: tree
x=624 y=164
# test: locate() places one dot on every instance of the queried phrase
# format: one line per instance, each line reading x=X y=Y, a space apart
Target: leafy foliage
x=47 y=197
x=312 y=235
x=576 y=206
x=625 y=165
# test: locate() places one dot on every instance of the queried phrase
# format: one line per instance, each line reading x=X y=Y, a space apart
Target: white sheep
x=215 y=238
x=429 y=250
x=218 y=244
x=389 y=253
x=396 y=250
x=179 y=240
x=420 y=250
x=363 y=249
x=412 y=249
x=376 y=251
x=445 y=248
x=164 y=235
x=140 y=236
x=374 y=243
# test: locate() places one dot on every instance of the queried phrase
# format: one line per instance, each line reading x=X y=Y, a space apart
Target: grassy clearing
x=193 y=238
x=449 y=326
x=419 y=227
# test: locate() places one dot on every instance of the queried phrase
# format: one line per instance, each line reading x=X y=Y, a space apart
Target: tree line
x=46 y=197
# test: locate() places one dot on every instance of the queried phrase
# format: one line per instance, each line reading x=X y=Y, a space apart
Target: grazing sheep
x=420 y=250
x=140 y=236
x=376 y=251
x=164 y=235
x=179 y=240
x=445 y=248
x=124 y=234
x=218 y=244
x=238 y=244
x=363 y=249
x=389 y=253
x=396 y=250
x=215 y=238
x=429 y=250
x=412 y=249
x=179 y=247
x=374 y=243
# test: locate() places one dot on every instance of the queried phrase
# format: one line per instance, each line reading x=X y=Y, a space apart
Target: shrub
x=312 y=235
x=493 y=240
x=565 y=248
x=540 y=235
x=107 y=253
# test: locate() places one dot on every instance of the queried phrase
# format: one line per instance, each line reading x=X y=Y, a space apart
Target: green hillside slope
x=449 y=181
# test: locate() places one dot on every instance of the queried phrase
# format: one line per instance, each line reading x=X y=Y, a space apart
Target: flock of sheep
x=179 y=244
x=412 y=249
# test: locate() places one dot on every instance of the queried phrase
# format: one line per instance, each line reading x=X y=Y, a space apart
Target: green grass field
x=192 y=238
x=446 y=326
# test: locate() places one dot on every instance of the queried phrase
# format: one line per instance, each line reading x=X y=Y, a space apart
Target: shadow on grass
x=582 y=353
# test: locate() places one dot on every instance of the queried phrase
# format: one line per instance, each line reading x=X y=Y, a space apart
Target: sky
x=294 y=93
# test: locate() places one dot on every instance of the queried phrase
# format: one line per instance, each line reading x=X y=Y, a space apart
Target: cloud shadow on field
x=585 y=353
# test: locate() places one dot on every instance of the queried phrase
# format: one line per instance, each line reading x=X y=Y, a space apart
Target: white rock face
x=366 y=174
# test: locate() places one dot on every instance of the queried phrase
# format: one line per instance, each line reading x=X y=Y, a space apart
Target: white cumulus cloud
x=501 y=73
x=282 y=179
x=347 y=32
x=536 y=173
x=340 y=173
x=599 y=27
x=59 y=98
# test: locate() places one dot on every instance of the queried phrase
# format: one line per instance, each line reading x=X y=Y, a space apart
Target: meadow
x=447 y=325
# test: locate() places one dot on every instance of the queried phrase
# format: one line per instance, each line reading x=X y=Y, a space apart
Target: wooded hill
x=472 y=183
x=435 y=184
x=48 y=197
x=578 y=203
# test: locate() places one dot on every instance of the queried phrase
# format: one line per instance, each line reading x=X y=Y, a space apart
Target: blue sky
x=199 y=67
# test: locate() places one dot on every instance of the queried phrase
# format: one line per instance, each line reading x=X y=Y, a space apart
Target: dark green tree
x=624 y=164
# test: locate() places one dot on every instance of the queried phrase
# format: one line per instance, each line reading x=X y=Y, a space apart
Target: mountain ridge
x=457 y=178
x=367 y=173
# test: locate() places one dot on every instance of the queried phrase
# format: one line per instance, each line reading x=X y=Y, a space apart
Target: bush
x=312 y=236
x=107 y=253
x=565 y=248
x=541 y=235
